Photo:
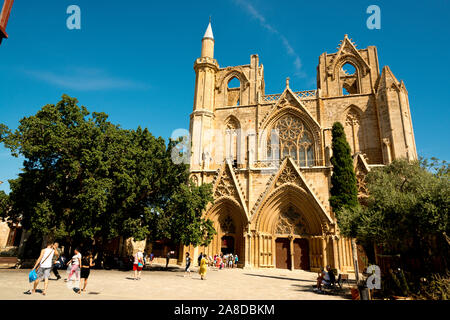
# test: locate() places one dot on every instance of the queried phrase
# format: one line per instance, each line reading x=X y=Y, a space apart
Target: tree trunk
x=355 y=260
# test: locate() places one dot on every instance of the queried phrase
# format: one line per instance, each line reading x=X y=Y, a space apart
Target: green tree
x=407 y=211
x=344 y=192
x=185 y=211
x=85 y=177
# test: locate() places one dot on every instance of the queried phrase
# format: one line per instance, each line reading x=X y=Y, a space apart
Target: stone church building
x=268 y=155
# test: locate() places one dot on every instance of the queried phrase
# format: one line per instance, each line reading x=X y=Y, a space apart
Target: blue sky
x=134 y=59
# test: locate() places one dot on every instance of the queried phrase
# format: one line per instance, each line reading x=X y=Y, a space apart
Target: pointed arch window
x=352 y=128
x=294 y=141
x=348 y=77
x=233 y=92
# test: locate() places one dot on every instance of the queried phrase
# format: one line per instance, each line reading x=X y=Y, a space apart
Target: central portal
x=227 y=245
x=283 y=253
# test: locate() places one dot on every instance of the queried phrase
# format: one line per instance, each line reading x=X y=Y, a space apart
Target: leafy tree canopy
x=85 y=177
x=407 y=210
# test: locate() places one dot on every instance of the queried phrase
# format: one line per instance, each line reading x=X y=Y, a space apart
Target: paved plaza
x=159 y=284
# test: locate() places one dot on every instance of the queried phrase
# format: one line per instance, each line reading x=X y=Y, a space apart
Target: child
x=75 y=261
x=230 y=261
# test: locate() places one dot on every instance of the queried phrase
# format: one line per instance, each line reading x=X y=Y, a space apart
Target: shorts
x=187 y=269
x=84 y=274
x=136 y=267
x=43 y=273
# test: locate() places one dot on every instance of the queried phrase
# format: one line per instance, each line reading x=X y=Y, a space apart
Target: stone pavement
x=159 y=284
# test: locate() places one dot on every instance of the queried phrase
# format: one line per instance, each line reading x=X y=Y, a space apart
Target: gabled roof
x=288 y=96
x=360 y=163
x=227 y=172
x=288 y=164
x=387 y=79
x=347 y=47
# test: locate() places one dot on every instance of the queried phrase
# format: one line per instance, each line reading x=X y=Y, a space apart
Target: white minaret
x=202 y=116
x=208 y=42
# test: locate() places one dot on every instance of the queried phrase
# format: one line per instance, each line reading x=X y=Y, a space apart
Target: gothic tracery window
x=291 y=222
x=294 y=140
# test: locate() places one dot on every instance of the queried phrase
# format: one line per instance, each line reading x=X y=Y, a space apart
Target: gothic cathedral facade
x=268 y=155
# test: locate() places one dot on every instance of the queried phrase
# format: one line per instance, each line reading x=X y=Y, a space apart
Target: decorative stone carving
x=291 y=222
x=227 y=225
x=361 y=182
x=226 y=188
x=287 y=176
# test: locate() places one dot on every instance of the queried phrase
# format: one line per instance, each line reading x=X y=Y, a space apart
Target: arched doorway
x=228 y=220
x=228 y=245
x=301 y=254
x=283 y=253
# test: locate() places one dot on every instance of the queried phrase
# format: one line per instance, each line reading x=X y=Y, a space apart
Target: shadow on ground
x=344 y=292
x=277 y=277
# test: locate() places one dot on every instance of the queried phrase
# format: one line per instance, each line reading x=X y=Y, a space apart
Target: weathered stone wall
x=4 y=233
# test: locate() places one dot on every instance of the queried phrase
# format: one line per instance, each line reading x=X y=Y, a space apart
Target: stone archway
x=293 y=225
x=229 y=221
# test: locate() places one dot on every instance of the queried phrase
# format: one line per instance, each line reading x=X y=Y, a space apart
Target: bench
x=8 y=262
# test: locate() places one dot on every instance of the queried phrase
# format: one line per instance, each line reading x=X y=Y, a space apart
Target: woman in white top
x=45 y=266
x=138 y=264
x=76 y=262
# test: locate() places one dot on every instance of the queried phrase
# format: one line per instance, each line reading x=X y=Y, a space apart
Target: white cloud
x=263 y=22
x=85 y=79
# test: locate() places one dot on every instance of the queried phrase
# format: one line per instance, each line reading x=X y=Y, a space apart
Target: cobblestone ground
x=156 y=283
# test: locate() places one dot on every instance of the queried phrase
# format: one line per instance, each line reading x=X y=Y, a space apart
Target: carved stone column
x=335 y=253
x=246 y=250
x=291 y=249
x=324 y=252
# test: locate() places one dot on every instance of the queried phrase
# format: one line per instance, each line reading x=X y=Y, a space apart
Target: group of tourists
x=219 y=261
x=78 y=267
x=52 y=259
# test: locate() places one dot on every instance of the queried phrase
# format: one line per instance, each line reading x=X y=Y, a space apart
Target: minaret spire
x=208 y=42
x=209 y=33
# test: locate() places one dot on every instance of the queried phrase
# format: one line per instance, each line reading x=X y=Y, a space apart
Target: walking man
x=167 y=259
x=44 y=265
